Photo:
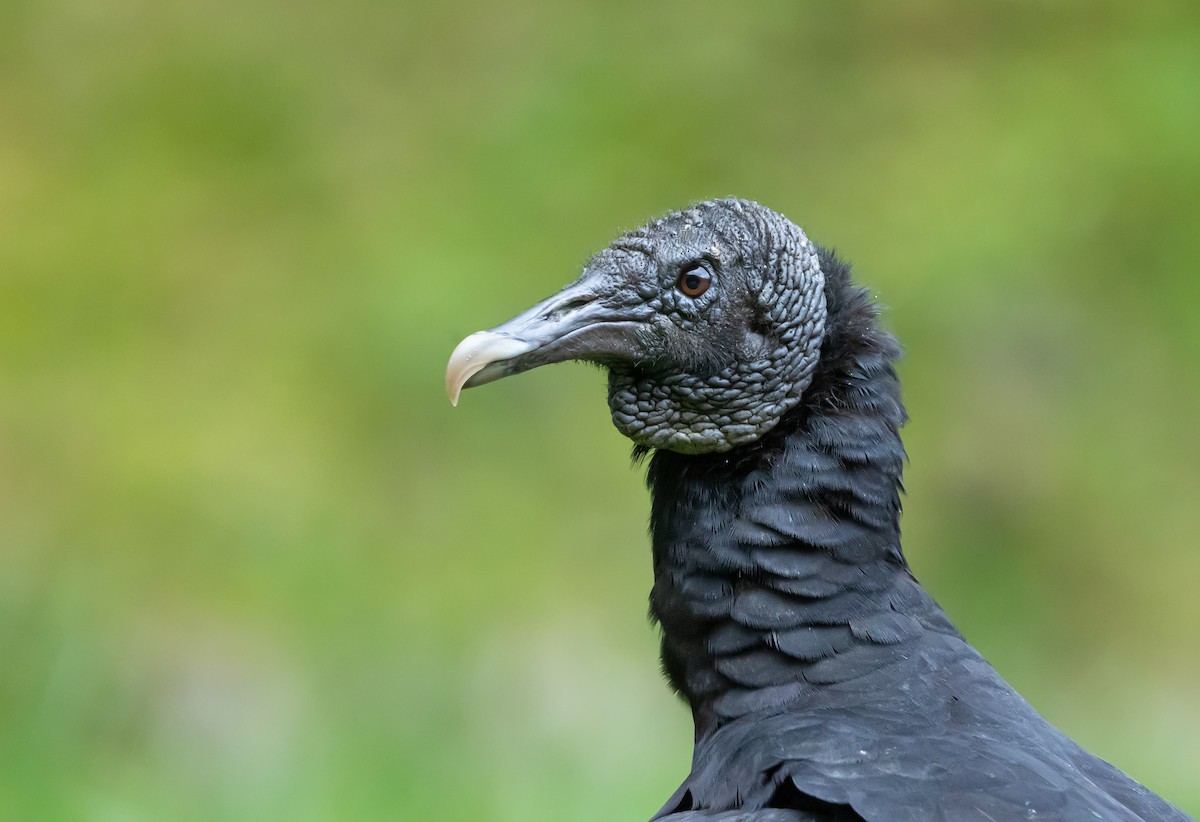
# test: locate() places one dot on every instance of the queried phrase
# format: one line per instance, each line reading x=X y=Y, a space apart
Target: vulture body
x=824 y=682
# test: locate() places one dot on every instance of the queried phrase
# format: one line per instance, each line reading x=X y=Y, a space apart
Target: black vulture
x=824 y=682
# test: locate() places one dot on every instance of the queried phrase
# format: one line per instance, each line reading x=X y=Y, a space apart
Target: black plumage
x=824 y=682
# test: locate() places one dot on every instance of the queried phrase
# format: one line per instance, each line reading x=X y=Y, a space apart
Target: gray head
x=709 y=321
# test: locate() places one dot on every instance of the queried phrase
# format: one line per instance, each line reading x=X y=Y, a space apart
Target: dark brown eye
x=694 y=282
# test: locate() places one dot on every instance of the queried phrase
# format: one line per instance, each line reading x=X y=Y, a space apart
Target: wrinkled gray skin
x=763 y=318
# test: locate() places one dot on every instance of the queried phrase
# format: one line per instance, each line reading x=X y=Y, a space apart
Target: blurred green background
x=253 y=565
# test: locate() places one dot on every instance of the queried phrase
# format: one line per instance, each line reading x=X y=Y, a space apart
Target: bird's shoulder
x=941 y=736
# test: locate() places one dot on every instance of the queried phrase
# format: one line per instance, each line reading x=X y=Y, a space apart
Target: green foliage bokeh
x=252 y=564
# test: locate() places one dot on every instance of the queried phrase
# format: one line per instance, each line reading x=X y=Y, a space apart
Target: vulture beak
x=577 y=323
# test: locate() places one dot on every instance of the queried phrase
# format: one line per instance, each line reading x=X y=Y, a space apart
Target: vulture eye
x=693 y=282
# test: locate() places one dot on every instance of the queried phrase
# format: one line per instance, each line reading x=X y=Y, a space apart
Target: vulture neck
x=777 y=565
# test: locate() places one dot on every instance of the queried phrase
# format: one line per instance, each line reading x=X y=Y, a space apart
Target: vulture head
x=709 y=321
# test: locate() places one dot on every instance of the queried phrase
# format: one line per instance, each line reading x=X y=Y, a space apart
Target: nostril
x=580 y=302
x=569 y=306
